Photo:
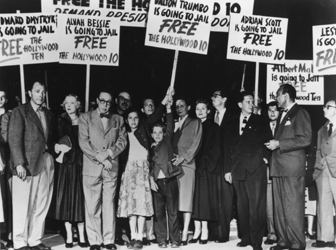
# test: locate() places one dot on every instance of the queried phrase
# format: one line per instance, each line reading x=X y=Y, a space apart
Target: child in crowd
x=135 y=198
x=164 y=183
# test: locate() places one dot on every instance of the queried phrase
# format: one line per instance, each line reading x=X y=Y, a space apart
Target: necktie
x=108 y=116
x=273 y=128
x=40 y=115
x=217 y=117
x=330 y=129
x=283 y=113
x=243 y=124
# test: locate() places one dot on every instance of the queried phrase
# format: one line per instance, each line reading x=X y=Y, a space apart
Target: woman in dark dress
x=70 y=196
x=205 y=184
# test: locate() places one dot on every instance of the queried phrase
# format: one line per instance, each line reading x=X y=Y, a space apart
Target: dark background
x=146 y=71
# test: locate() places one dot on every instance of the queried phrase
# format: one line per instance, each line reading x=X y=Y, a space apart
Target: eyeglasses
x=328 y=106
x=121 y=98
x=215 y=95
x=102 y=101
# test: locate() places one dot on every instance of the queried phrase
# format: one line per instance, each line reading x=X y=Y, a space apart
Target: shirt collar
x=35 y=107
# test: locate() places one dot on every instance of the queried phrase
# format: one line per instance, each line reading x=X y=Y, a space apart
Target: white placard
x=324 y=49
x=88 y=40
x=28 y=39
x=222 y=10
x=182 y=25
x=257 y=38
x=309 y=87
x=131 y=13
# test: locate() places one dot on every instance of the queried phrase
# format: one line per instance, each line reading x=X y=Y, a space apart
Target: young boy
x=164 y=183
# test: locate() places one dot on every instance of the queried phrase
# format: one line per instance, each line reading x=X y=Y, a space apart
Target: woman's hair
x=204 y=102
x=78 y=104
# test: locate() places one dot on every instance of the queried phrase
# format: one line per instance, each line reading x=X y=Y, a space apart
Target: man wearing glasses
x=102 y=137
x=325 y=175
x=225 y=190
x=292 y=135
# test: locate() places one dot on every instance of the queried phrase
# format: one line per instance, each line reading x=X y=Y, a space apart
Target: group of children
x=145 y=163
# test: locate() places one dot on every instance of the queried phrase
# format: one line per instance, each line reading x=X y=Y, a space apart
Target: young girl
x=135 y=199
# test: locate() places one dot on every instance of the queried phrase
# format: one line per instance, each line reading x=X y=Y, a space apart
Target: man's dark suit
x=294 y=134
x=248 y=171
x=225 y=190
x=30 y=147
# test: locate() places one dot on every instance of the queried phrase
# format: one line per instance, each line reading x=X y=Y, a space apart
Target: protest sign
x=222 y=10
x=88 y=40
x=257 y=38
x=126 y=12
x=309 y=87
x=27 y=39
x=324 y=49
x=182 y=25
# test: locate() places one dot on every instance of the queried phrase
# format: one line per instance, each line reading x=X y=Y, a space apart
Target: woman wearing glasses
x=70 y=196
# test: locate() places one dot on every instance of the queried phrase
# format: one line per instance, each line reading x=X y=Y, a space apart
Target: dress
x=205 y=202
x=135 y=197
x=69 y=193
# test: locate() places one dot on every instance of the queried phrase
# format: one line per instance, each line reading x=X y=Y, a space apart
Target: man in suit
x=293 y=134
x=102 y=137
x=30 y=137
x=246 y=135
x=273 y=114
x=221 y=229
x=325 y=176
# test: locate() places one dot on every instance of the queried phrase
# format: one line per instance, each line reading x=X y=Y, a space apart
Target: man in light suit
x=102 y=137
x=246 y=169
x=293 y=134
x=325 y=175
x=31 y=144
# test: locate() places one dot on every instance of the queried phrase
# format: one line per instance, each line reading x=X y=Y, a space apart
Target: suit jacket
x=187 y=141
x=294 y=134
x=4 y=148
x=326 y=152
x=248 y=150
x=26 y=138
x=94 y=139
x=223 y=156
x=163 y=152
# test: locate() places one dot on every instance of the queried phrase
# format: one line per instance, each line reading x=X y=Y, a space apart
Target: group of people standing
x=116 y=161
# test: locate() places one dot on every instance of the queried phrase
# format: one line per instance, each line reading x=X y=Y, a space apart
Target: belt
x=165 y=180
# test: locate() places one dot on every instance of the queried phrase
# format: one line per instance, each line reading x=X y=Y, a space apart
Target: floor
x=57 y=243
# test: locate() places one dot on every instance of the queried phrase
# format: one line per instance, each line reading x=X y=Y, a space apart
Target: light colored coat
x=94 y=139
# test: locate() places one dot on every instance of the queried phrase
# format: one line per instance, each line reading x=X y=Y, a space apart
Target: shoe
x=145 y=242
x=321 y=244
x=221 y=240
x=40 y=246
x=243 y=244
x=162 y=244
x=9 y=244
x=119 y=241
x=138 y=245
x=68 y=245
x=278 y=247
x=130 y=244
x=184 y=243
x=83 y=244
x=154 y=241
x=95 y=247
x=311 y=236
x=257 y=247
x=195 y=240
x=175 y=244
x=111 y=246
x=2 y=246
x=203 y=242
x=270 y=242
x=23 y=248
